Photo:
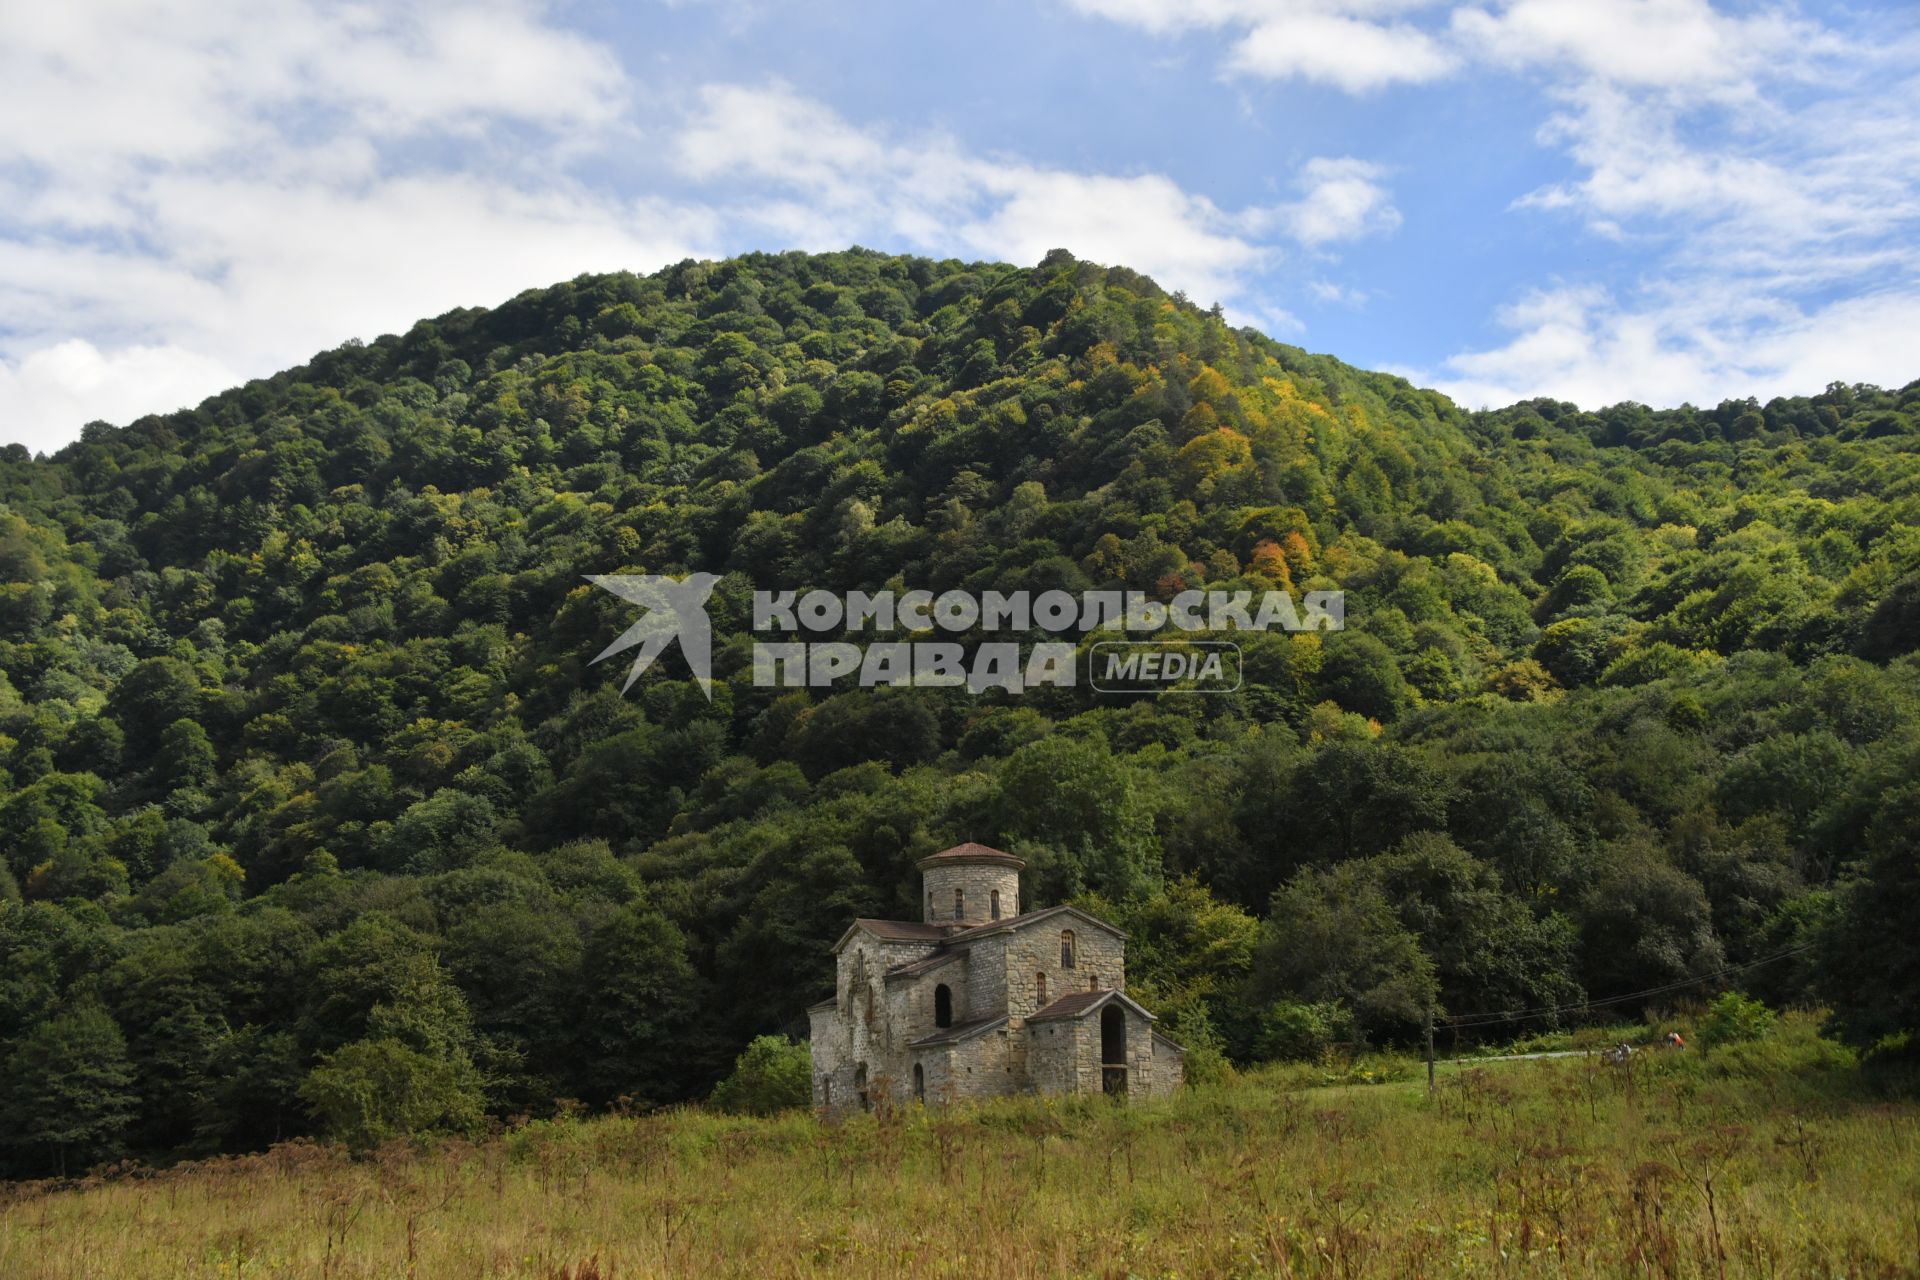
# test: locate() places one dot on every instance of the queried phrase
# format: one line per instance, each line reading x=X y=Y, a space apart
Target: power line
x=1494 y=1019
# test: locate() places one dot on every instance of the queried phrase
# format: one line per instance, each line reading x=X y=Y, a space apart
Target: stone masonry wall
x=1035 y=949
x=874 y=1022
x=915 y=998
x=977 y=883
x=1052 y=1055
x=1169 y=1068
x=982 y=1067
x=987 y=978
x=828 y=1041
x=1063 y=1056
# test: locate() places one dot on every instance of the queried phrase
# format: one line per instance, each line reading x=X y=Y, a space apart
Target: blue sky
x=1659 y=200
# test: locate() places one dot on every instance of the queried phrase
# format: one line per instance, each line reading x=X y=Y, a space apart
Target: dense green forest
x=316 y=816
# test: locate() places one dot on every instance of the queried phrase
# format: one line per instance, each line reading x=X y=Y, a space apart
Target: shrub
x=772 y=1074
x=1734 y=1018
x=1295 y=1032
x=1206 y=1064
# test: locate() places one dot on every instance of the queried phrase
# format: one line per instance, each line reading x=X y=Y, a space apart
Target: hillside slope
x=310 y=782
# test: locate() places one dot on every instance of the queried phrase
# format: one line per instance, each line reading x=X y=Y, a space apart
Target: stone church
x=979 y=999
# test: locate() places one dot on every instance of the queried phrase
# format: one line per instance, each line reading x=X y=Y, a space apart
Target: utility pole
x=1429 y=1050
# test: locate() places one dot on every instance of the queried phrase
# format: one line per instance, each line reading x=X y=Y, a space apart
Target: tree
x=1645 y=923
x=448 y=829
x=1489 y=950
x=66 y=1098
x=1894 y=626
x=1574 y=650
x=1074 y=794
x=1355 y=799
x=1794 y=774
x=1359 y=673
x=872 y=724
x=372 y=1091
x=1333 y=938
x=187 y=757
x=1868 y=955
x=379 y=979
x=516 y=962
x=771 y=1074
x=151 y=697
x=632 y=1002
x=332 y=629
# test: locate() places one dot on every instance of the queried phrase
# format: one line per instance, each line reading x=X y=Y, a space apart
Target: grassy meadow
x=1775 y=1158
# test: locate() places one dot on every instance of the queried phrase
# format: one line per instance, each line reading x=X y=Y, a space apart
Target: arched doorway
x=1113 y=1049
x=942 y=1006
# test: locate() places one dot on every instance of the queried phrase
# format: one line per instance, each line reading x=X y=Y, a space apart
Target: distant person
x=1675 y=1040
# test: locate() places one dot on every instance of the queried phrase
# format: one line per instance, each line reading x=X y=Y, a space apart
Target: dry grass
x=1768 y=1161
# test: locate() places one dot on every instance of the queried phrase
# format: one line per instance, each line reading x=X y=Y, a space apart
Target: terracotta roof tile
x=974 y=852
x=1070 y=1006
x=914 y=968
x=905 y=930
x=959 y=1031
x=970 y=849
x=1079 y=1003
x=1028 y=917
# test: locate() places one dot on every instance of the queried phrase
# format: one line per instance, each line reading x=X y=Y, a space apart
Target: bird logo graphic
x=674 y=607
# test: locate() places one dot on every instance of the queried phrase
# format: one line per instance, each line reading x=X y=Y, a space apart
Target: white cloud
x=1775 y=189
x=1333 y=293
x=1675 y=46
x=1760 y=163
x=259 y=275
x=1344 y=201
x=202 y=195
x=194 y=196
x=1147 y=223
x=841 y=182
x=777 y=133
x=1353 y=45
x=48 y=394
x=84 y=87
x=1339 y=49
x=1770 y=166
x=1580 y=344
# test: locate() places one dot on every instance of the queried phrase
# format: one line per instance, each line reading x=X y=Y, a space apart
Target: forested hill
x=312 y=796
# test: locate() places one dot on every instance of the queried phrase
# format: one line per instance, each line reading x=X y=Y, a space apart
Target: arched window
x=994 y=899
x=1093 y=982
x=942 y=1007
x=860 y=1086
x=919 y=1083
x=1040 y=989
x=959 y=904
x=1066 y=948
